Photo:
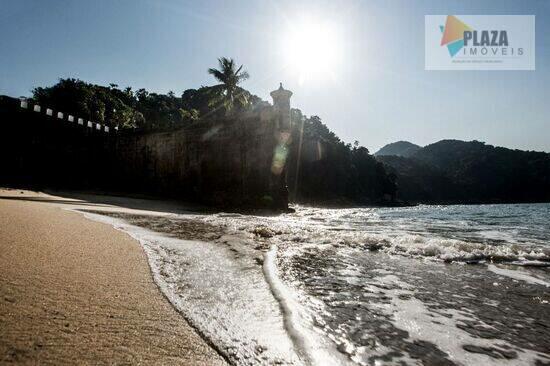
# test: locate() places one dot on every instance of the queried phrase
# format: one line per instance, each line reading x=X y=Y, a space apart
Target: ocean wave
x=450 y=250
x=440 y=233
x=414 y=246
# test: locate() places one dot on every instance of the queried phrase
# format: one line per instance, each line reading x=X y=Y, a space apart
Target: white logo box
x=520 y=31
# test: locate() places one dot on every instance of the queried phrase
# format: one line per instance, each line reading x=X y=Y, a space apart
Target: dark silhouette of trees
x=453 y=171
x=325 y=170
x=140 y=109
x=115 y=107
x=228 y=94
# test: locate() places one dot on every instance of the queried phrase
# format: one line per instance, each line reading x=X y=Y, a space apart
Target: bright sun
x=313 y=50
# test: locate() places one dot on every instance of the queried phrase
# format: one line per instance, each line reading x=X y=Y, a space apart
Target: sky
x=375 y=92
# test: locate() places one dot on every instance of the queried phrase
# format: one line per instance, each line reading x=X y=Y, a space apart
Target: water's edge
x=246 y=346
x=324 y=288
x=156 y=280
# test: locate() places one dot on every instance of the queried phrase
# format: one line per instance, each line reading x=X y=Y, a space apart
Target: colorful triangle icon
x=453 y=47
x=454 y=30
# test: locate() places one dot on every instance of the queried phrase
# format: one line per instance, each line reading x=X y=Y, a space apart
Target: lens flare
x=279 y=159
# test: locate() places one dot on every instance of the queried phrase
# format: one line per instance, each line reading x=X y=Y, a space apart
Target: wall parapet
x=24 y=104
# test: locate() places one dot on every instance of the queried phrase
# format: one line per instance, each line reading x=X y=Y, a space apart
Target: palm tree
x=228 y=92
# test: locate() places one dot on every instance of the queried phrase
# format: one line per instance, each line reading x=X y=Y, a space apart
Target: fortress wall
x=39 y=148
x=222 y=163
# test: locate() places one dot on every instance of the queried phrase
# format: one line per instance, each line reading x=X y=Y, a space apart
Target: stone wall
x=41 y=148
x=222 y=163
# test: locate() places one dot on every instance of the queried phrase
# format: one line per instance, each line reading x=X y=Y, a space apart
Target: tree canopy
x=228 y=94
x=325 y=170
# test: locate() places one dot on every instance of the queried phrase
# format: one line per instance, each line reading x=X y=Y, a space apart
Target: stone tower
x=278 y=184
x=281 y=104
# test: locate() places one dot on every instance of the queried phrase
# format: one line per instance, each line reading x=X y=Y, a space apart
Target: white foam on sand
x=223 y=295
x=412 y=315
x=517 y=274
x=312 y=346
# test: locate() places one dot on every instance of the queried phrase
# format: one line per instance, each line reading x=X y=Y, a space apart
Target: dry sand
x=74 y=291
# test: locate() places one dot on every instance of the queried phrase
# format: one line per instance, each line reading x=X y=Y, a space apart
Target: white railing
x=24 y=104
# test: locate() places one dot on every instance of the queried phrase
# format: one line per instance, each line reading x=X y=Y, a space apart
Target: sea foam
x=223 y=295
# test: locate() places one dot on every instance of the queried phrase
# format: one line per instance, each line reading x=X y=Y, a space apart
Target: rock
x=264 y=232
x=491 y=351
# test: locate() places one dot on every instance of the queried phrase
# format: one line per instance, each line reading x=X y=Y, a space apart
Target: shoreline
x=178 y=240
x=204 y=290
x=231 y=299
x=74 y=290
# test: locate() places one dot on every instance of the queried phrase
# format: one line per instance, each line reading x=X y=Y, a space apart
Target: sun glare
x=313 y=50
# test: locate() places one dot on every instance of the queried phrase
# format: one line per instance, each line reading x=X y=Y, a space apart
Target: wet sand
x=74 y=291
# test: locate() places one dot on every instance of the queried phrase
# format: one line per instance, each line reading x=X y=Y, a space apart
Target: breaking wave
x=444 y=233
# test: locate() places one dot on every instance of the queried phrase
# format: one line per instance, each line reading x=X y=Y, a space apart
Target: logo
x=480 y=42
x=453 y=34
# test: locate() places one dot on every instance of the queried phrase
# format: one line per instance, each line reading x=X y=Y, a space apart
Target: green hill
x=454 y=171
x=399 y=148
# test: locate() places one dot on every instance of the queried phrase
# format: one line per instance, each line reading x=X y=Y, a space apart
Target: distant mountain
x=454 y=171
x=399 y=148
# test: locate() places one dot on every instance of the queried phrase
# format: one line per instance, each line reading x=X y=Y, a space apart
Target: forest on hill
x=322 y=169
x=454 y=171
x=399 y=148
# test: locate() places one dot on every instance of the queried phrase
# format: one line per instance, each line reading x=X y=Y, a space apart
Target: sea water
x=424 y=285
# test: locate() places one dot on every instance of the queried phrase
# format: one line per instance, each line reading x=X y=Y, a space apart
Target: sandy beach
x=75 y=291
